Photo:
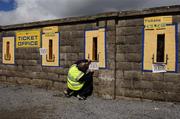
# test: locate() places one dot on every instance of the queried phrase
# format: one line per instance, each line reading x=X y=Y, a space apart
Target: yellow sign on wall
x=95 y=46
x=50 y=29
x=157 y=22
x=166 y=45
x=8 y=50
x=28 y=38
x=50 y=42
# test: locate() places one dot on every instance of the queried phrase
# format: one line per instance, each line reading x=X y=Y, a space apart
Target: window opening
x=7 y=55
x=51 y=56
x=95 y=49
x=50 y=49
x=160 y=47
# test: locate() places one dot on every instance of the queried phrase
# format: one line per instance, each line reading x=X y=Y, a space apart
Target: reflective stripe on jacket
x=73 y=77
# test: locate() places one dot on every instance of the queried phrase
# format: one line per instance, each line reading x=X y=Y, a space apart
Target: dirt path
x=27 y=102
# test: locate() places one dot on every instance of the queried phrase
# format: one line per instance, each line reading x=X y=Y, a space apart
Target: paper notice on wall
x=43 y=51
x=158 y=68
x=94 y=66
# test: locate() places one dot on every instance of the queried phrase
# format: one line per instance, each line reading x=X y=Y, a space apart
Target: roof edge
x=109 y=15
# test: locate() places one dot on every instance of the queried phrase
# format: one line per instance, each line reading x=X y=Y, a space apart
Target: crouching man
x=79 y=80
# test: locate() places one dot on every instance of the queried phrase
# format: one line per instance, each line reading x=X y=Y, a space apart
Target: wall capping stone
x=165 y=10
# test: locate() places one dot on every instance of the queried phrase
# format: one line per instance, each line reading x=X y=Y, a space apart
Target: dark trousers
x=87 y=89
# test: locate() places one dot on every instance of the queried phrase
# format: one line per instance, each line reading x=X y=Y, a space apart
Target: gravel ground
x=27 y=102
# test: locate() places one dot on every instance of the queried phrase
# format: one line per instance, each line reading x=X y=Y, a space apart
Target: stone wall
x=28 y=69
x=123 y=76
x=131 y=81
x=128 y=57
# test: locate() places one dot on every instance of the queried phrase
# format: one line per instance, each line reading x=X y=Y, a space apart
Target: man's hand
x=89 y=61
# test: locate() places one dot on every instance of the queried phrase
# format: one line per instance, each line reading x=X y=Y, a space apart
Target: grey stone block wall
x=122 y=77
x=28 y=69
x=105 y=77
x=128 y=58
x=131 y=81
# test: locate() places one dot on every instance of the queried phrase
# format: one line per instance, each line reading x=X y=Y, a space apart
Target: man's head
x=83 y=66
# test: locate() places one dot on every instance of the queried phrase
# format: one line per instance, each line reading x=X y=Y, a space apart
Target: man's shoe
x=81 y=97
x=66 y=93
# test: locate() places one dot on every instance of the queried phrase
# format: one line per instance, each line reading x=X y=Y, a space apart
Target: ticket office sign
x=28 y=39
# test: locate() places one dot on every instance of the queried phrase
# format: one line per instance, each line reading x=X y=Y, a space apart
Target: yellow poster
x=95 y=46
x=8 y=50
x=50 y=29
x=159 y=43
x=50 y=43
x=158 y=22
x=28 y=39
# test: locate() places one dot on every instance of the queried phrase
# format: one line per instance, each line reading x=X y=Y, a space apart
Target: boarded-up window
x=160 y=47
x=50 y=42
x=95 y=49
x=50 y=50
x=7 y=55
x=95 y=46
x=8 y=50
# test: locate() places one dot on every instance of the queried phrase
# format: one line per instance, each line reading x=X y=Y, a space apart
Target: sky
x=22 y=11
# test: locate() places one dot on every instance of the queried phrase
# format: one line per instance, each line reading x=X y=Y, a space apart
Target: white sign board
x=43 y=51
x=94 y=66
x=158 y=68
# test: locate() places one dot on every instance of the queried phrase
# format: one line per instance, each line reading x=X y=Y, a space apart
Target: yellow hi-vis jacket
x=74 y=75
